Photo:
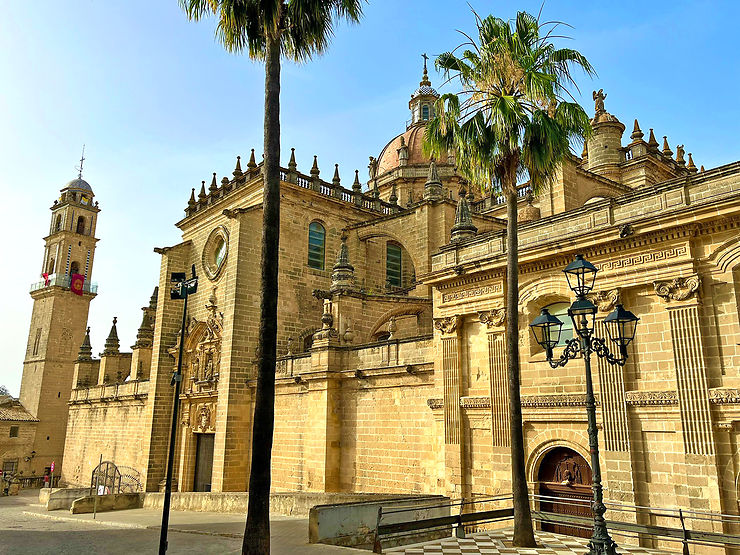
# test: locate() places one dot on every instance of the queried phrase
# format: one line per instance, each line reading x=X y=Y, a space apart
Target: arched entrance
x=564 y=480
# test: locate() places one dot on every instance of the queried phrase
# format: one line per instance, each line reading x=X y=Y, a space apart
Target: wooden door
x=203 y=462
x=565 y=487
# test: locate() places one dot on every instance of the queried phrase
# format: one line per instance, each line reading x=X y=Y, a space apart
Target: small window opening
x=74 y=268
x=316 y=245
x=81 y=225
x=393 y=265
x=36 y=342
x=58 y=224
x=425 y=112
x=307 y=343
x=14 y=431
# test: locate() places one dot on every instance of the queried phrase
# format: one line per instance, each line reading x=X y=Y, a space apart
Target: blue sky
x=161 y=106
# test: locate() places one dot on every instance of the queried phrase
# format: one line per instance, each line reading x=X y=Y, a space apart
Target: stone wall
x=18 y=448
x=105 y=420
x=357 y=420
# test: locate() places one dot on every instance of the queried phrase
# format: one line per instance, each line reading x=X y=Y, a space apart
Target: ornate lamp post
x=620 y=327
x=181 y=288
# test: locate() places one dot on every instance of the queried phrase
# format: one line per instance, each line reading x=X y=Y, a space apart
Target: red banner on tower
x=46 y=279
x=76 y=284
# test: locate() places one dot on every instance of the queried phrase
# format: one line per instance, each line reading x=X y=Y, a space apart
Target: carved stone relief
x=204 y=418
x=493 y=318
x=678 y=289
x=606 y=300
x=446 y=325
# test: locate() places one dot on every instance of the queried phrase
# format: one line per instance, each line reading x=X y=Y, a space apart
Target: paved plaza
x=498 y=542
x=27 y=527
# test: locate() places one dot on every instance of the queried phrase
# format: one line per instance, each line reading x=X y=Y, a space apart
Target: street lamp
x=620 y=326
x=180 y=288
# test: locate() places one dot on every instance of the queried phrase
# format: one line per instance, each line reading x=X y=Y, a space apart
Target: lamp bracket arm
x=572 y=349
x=598 y=346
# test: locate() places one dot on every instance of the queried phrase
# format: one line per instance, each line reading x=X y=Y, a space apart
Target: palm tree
x=267 y=30
x=511 y=119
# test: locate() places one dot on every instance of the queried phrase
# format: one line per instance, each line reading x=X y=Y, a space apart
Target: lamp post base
x=602 y=546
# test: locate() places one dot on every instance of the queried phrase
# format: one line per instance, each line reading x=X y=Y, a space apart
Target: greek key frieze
x=642 y=258
x=473 y=292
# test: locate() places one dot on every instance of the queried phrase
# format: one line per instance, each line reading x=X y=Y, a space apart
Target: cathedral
x=391 y=374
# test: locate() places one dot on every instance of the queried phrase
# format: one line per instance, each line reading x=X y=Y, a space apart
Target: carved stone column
x=451 y=389
x=494 y=321
x=617 y=463
x=611 y=385
x=682 y=304
x=688 y=356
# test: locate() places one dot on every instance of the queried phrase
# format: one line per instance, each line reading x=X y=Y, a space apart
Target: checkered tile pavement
x=497 y=542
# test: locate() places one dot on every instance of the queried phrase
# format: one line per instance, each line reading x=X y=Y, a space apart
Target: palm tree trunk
x=257 y=531
x=523 y=533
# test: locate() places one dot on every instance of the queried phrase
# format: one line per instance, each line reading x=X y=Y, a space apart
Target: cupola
x=423 y=100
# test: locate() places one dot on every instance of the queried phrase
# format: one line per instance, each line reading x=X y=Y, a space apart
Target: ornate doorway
x=565 y=486
x=203 y=462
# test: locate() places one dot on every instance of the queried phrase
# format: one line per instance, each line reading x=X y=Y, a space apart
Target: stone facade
x=17 y=435
x=392 y=368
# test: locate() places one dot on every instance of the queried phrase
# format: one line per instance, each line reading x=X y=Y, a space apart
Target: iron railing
x=649 y=525
x=63 y=280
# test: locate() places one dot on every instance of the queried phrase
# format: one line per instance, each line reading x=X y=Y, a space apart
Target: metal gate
x=105 y=479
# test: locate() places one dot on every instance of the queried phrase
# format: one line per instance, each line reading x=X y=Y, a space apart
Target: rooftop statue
x=599 y=102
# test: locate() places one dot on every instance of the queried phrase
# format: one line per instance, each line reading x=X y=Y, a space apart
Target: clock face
x=215 y=252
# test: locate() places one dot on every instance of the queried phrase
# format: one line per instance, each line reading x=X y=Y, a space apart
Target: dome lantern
x=423 y=99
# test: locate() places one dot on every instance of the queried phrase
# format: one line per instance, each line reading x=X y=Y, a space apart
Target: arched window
x=74 y=268
x=425 y=112
x=316 y=245
x=393 y=265
x=50 y=267
x=561 y=311
x=81 y=225
x=58 y=224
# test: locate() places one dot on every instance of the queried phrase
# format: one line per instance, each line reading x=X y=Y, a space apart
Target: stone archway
x=564 y=486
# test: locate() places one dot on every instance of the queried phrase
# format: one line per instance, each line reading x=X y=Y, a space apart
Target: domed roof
x=413 y=138
x=78 y=184
x=425 y=90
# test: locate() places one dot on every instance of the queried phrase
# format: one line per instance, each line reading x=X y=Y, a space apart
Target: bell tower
x=59 y=318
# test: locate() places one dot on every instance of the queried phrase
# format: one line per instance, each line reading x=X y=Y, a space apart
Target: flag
x=46 y=279
x=76 y=283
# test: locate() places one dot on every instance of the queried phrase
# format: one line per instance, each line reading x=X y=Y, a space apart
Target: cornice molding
x=648 y=398
x=724 y=396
